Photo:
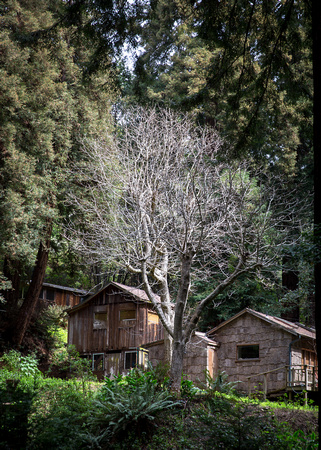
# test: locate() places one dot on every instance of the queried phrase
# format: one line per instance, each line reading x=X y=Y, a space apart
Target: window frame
x=93 y=362
x=131 y=352
x=127 y=310
x=254 y=358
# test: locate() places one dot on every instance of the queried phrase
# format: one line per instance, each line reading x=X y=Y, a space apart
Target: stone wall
x=197 y=359
x=273 y=352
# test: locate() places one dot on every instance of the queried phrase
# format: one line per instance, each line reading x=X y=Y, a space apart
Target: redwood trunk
x=27 y=309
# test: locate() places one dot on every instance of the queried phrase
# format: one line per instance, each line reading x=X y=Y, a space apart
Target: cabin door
x=113 y=363
x=212 y=363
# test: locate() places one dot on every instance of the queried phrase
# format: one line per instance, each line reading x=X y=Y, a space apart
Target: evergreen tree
x=245 y=67
x=45 y=110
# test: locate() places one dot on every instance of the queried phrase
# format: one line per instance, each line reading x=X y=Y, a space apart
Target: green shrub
x=235 y=425
x=20 y=365
x=188 y=389
x=299 y=441
x=60 y=415
x=19 y=380
x=219 y=384
x=126 y=404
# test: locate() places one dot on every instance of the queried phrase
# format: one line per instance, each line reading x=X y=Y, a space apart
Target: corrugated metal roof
x=293 y=328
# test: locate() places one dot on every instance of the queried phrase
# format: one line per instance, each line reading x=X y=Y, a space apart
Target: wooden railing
x=295 y=376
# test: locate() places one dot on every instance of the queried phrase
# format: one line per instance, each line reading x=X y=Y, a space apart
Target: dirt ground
x=307 y=421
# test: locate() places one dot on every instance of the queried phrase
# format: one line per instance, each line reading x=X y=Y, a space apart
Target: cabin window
x=248 y=352
x=127 y=314
x=50 y=295
x=130 y=360
x=98 y=361
x=309 y=358
x=100 y=320
x=68 y=300
x=143 y=358
x=153 y=318
x=41 y=294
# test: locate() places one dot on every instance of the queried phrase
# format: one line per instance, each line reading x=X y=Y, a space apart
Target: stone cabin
x=200 y=357
x=264 y=352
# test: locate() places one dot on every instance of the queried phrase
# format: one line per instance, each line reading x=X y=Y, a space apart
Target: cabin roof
x=296 y=329
x=65 y=288
x=138 y=294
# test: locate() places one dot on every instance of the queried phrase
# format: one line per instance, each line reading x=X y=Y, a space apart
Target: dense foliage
x=135 y=411
x=46 y=108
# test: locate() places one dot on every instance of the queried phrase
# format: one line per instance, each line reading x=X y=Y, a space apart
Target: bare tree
x=160 y=203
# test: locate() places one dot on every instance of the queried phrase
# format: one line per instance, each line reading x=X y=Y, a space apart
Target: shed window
x=98 y=361
x=153 y=318
x=50 y=295
x=248 y=352
x=100 y=320
x=309 y=358
x=130 y=359
x=127 y=314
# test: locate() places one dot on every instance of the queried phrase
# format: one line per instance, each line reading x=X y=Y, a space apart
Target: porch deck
x=294 y=378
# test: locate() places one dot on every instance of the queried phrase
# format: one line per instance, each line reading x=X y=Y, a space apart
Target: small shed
x=200 y=357
x=266 y=353
x=62 y=295
x=111 y=326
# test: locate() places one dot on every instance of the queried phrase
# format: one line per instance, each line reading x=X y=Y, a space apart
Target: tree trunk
x=11 y=270
x=168 y=347
x=177 y=365
x=28 y=307
x=179 y=338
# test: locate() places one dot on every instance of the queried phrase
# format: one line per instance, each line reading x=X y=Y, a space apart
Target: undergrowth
x=136 y=411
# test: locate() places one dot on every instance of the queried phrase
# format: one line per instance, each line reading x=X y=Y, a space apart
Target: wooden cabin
x=265 y=353
x=62 y=295
x=111 y=326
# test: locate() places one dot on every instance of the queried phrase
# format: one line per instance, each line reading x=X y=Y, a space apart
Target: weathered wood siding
x=59 y=296
x=273 y=351
x=111 y=321
x=66 y=299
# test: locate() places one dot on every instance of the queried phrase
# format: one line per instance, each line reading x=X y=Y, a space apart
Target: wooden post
x=264 y=386
x=313 y=379
x=249 y=387
x=287 y=376
x=292 y=376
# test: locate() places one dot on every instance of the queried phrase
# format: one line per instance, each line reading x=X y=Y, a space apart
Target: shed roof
x=138 y=294
x=65 y=288
x=296 y=329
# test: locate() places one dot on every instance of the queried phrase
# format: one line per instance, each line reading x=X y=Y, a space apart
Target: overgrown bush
x=127 y=403
x=60 y=415
x=68 y=363
x=219 y=384
x=19 y=381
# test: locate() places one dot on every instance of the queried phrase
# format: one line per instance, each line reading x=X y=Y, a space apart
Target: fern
x=120 y=408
